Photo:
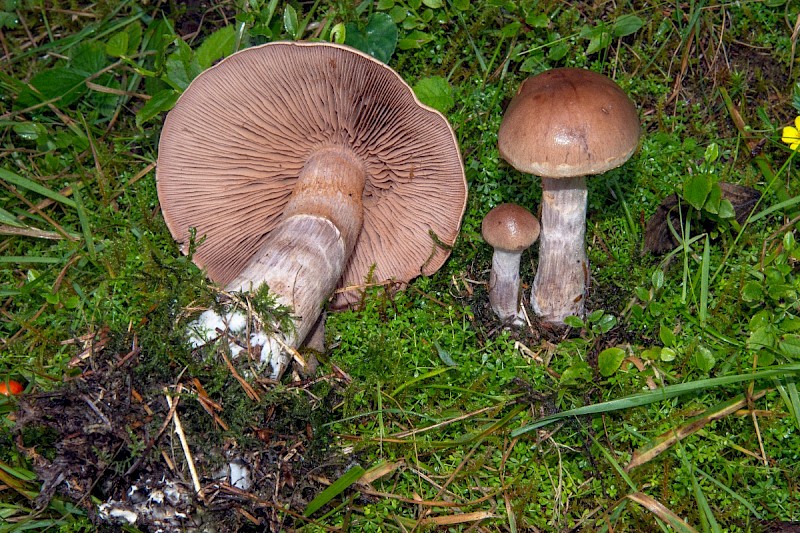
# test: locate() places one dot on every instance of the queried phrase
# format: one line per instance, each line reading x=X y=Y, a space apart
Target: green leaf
x=574 y=322
x=435 y=92
x=578 y=372
x=216 y=46
x=537 y=20
x=752 y=292
x=609 y=360
x=696 y=189
x=335 y=488
x=666 y=335
x=790 y=346
x=415 y=39
x=378 y=38
x=606 y=322
x=290 y=21
x=511 y=29
x=89 y=58
x=763 y=337
x=160 y=102
x=703 y=359
x=726 y=209
x=61 y=84
x=626 y=25
x=433 y=4
x=117 y=45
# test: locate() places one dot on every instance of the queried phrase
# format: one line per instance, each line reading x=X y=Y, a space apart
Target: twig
x=184 y=444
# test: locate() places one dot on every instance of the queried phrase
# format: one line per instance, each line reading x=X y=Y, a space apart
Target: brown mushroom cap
x=233 y=146
x=510 y=227
x=568 y=122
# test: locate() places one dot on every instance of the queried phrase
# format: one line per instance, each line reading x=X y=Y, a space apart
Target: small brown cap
x=233 y=146
x=568 y=122
x=510 y=227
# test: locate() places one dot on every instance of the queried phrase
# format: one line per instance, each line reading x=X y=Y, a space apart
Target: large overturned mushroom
x=307 y=167
x=563 y=125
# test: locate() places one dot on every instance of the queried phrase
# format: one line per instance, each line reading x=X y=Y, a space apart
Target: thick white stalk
x=562 y=273
x=306 y=253
x=504 y=286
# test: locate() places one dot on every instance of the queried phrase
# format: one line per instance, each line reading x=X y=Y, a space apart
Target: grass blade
x=8 y=218
x=28 y=184
x=87 y=230
x=336 y=488
x=666 y=440
x=665 y=393
x=31 y=259
x=704 y=272
x=750 y=507
x=706 y=514
x=658 y=509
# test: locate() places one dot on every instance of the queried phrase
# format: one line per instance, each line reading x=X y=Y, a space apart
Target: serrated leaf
x=696 y=190
x=752 y=292
x=435 y=92
x=117 y=45
x=181 y=66
x=216 y=46
x=626 y=25
x=378 y=38
x=609 y=360
x=790 y=346
x=63 y=83
x=160 y=102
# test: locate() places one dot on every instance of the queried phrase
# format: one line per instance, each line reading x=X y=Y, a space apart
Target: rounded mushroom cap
x=234 y=144
x=568 y=122
x=510 y=227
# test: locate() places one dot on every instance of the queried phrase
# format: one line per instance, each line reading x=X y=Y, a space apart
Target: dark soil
x=108 y=433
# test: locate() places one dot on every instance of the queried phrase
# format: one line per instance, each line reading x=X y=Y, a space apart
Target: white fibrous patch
x=272 y=353
x=205 y=328
x=110 y=511
x=240 y=474
x=160 y=505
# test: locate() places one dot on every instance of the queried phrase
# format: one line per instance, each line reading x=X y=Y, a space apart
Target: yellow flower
x=791 y=135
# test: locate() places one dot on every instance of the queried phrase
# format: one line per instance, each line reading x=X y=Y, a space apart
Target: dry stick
x=151 y=443
x=184 y=444
x=749 y=395
x=41 y=213
x=29 y=232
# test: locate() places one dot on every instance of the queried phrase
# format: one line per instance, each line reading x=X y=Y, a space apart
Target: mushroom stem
x=504 y=286
x=307 y=252
x=563 y=271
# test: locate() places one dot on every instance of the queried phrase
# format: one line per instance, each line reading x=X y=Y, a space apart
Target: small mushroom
x=510 y=229
x=307 y=167
x=563 y=125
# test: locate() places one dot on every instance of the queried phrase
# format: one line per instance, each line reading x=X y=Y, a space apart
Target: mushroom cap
x=510 y=227
x=234 y=144
x=568 y=122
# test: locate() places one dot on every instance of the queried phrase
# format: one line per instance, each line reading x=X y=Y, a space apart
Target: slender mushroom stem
x=504 y=286
x=307 y=252
x=563 y=271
